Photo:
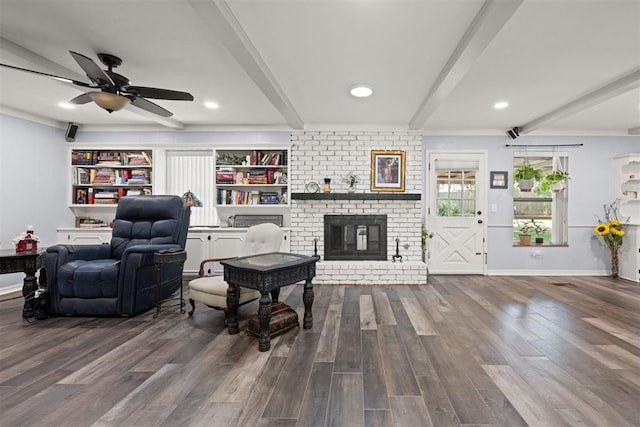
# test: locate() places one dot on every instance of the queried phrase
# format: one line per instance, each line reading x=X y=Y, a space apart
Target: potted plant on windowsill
x=529 y=228
x=526 y=176
x=555 y=181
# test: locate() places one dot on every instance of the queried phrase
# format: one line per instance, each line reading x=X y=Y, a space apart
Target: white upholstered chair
x=211 y=290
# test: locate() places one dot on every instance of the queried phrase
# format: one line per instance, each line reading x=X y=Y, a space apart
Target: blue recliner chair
x=119 y=279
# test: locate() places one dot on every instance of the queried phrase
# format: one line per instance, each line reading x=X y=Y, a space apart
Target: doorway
x=456 y=212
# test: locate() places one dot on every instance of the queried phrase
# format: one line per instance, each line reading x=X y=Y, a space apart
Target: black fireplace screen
x=355 y=237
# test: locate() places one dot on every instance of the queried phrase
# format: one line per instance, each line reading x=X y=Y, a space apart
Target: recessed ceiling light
x=501 y=105
x=66 y=106
x=361 y=91
x=212 y=105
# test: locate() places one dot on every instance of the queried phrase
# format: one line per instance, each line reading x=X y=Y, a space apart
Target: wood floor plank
x=346 y=401
x=375 y=387
x=253 y=407
x=313 y=411
x=422 y=323
x=349 y=358
x=384 y=313
x=367 y=313
x=331 y=329
x=528 y=403
x=293 y=379
x=378 y=418
x=614 y=330
x=409 y=411
x=399 y=375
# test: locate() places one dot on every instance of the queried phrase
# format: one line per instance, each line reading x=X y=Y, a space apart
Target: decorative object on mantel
x=190 y=199
x=312 y=187
x=327 y=185
x=315 y=246
x=397 y=255
x=351 y=179
x=612 y=232
x=387 y=170
x=27 y=241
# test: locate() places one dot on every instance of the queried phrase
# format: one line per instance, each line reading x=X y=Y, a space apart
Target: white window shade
x=194 y=171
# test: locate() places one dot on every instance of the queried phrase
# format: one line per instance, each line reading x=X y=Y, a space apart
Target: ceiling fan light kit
x=109 y=101
x=113 y=91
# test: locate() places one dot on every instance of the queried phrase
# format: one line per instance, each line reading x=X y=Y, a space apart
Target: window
x=456 y=192
x=545 y=206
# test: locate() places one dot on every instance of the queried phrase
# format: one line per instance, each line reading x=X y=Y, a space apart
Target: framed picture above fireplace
x=387 y=170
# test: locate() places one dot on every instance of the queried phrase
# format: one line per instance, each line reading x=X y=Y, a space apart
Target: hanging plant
x=554 y=181
x=526 y=176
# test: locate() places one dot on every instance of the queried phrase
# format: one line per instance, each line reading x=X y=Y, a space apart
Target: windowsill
x=541 y=245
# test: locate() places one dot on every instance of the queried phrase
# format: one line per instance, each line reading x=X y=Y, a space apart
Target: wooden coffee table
x=267 y=273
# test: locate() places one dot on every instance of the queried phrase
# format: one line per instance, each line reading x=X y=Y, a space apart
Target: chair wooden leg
x=226 y=316
x=193 y=306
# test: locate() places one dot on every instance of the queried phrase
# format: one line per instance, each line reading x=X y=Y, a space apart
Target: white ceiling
x=565 y=67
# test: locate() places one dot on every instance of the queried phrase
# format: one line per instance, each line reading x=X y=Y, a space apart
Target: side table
x=267 y=273
x=23 y=262
x=168 y=256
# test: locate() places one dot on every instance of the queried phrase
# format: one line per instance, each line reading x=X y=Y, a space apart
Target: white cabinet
x=84 y=236
x=206 y=242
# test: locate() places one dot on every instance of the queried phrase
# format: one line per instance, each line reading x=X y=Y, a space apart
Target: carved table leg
x=264 y=315
x=29 y=286
x=232 y=306
x=307 y=298
x=275 y=294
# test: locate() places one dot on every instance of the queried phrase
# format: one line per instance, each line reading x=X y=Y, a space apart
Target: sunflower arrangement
x=612 y=232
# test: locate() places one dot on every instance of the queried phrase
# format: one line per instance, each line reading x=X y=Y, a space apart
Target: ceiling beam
x=26 y=58
x=489 y=20
x=219 y=18
x=622 y=84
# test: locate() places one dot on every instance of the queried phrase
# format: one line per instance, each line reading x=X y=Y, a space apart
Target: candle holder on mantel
x=397 y=255
x=315 y=246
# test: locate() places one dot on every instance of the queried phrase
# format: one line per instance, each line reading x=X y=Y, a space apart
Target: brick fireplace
x=319 y=155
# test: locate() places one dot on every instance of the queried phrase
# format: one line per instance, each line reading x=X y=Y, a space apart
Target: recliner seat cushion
x=88 y=279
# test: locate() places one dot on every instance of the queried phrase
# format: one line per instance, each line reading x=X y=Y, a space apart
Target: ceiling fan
x=114 y=91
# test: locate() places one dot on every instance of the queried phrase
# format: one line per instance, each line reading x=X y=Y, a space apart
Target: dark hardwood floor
x=462 y=350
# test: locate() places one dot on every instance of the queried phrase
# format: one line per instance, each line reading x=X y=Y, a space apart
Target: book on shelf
x=82 y=176
x=138 y=159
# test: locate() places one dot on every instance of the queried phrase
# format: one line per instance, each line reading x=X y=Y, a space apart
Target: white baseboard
x=547 y=273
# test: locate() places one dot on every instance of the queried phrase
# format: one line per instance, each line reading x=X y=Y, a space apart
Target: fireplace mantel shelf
x=355 y=196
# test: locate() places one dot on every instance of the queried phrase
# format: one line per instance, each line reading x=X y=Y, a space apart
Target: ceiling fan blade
x=156 y=93
x=81 y=99
x=61 y=79
x=94 y=72
x=151 y=107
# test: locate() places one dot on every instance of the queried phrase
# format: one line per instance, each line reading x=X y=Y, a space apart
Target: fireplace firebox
x=355 y=237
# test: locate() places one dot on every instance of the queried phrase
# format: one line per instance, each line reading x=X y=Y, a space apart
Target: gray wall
x=591 y=186
x=33 y=183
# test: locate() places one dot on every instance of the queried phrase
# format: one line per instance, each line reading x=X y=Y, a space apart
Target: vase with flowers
x=612 y=232
x=351 y=179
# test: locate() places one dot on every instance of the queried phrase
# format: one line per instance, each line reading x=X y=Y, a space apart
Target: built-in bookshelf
x=252 y=178
x=101 y=177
